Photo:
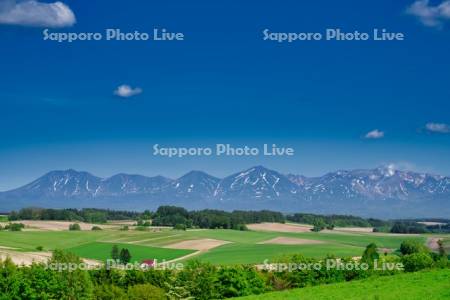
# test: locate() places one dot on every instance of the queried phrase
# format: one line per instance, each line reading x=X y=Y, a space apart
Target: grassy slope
x=430 y=285
x=102 y=251
x=243 y=249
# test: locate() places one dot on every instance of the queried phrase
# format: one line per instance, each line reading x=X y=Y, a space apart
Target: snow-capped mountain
x=255 y=183
x=381 y=192
x=195 y=183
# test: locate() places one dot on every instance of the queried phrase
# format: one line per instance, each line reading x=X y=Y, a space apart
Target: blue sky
x=223 y=84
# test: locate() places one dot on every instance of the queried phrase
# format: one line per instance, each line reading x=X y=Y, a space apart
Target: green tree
x=73 y=282
x=115 y=252
x=411 y=246
x=370 y=254
x=109 y=292
x=125 y=256
x=145 y=292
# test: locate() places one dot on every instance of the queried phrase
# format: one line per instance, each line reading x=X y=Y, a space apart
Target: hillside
x=430 y=285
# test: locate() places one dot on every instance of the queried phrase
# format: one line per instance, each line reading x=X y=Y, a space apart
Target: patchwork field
x=215 y=246
x=430 y=285
x=102 y=252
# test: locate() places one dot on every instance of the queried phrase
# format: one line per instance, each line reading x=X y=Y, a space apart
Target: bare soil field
x=290 y=241
x=58 y=225
x=27 y=258
x=200 y=244
x=354 y=229
x=279 y=227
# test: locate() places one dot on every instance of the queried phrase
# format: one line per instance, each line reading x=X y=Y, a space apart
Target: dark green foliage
x=74 y=226
x=96 y=228
x=124 y=256
x=411 y=247
x=109 y=292
x=115 y=252
x=14 y=227
x=212 y=219
x=408 y=227
x=370 y=254
x=417 y=261
x=201 y=279
x=240 y=281
x=90 y=215
x=73 y=284
x=241 y=227
x=335 y=220
x=319 y=225
x=39 y=248
x=179 y=227
x=125 y=228
x=145 y=292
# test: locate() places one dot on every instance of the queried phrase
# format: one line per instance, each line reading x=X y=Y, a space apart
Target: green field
x=244 y=246
x=102 y=252
x=3 y=218
x=429 y=285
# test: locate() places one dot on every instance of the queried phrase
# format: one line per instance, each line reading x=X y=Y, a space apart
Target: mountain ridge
x=378 y=192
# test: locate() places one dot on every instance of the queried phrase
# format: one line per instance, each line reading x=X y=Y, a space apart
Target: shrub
x=96 y=228
x=145 y=292
x=411 y=247
x=124 y=256
x=242 y=227
x=115 y=252
x=74 y=226
x=39 y=248
x=125 y=228
x=109 y=292
x=239 y=281
x=370 y=254
x=15 y=226
x=180 y=227
x=417 y=261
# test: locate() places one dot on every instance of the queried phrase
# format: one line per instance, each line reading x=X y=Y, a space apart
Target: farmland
x=228 y=246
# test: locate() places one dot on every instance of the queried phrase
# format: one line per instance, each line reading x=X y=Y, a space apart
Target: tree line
x=181 y=218
x=212 y=219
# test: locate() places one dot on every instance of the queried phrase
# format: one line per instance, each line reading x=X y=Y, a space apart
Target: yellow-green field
x=429 y=285
x=241 y=246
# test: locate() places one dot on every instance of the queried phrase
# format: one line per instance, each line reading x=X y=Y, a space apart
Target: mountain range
x=381 y=192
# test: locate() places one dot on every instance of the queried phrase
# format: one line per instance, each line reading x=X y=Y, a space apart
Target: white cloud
x=374 y=134
x=438 y=127
x=429 y=15
x=127 y=91
x=34 y=13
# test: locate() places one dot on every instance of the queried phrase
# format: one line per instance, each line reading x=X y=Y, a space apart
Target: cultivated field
x=264 y=241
